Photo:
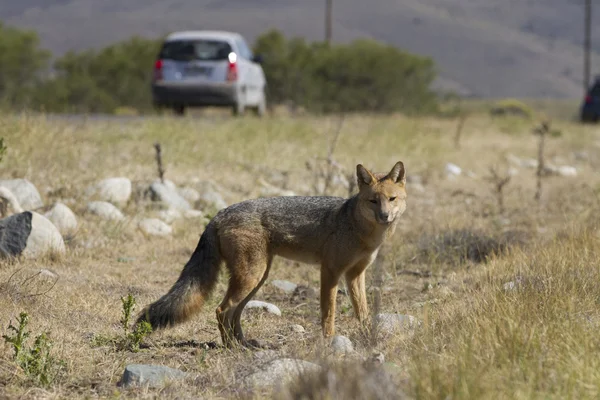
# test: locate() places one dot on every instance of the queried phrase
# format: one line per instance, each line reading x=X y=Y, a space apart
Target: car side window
x=243 y=49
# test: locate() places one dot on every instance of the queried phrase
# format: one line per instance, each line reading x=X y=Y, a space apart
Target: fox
x=342 y=235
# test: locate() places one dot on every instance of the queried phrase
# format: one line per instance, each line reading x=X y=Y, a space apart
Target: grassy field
x=448 y=263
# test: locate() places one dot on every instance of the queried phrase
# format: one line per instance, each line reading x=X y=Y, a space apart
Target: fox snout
x=385 y=217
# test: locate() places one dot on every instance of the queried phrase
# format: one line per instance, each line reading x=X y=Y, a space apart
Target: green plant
x=131 y=339
x=37 y=362
x=2 y=148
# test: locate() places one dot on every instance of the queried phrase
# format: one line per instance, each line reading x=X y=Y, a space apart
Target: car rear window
x=187 y=50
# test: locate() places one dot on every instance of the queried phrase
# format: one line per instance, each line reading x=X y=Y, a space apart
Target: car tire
x=179 y=110
x=261 y=109
x=238 y=109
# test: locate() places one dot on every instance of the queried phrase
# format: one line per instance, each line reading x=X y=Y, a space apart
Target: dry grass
x=476 y=341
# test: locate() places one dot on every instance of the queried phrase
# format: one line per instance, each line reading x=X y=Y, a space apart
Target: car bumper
x=166 y=94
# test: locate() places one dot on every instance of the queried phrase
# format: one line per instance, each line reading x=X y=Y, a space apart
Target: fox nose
x=384 y=216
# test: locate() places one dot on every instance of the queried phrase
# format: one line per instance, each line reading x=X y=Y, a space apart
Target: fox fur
x=342 y=235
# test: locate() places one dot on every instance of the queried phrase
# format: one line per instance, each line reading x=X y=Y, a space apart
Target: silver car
x=208 y=68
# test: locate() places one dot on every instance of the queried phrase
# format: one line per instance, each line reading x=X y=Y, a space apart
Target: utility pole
x=587 y=44
x=328 y=20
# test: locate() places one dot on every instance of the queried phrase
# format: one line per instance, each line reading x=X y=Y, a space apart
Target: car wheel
x=261 y=108
x=179 y=110
x=238 y=108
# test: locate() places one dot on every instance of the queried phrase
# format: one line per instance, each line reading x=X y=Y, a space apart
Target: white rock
x=169 y=215
x=280 y=372
x=25 y=192
x=63 y=218
x=268 y=190
x=268 y=307
x=43 y=239
x=190 y=214
x=212 y=199
x=566 y=170
x=167 y=194
x=105 y=210
x=286 y=286
x=190 y=194
x=394 y=323
x=113 y=190
x=341 y=344
x=297 y=328
x=453 y=169
x=154 y=227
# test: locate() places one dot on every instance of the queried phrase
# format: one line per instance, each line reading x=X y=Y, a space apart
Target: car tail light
x=232 y=72
x=158 y=73
x=588 y=99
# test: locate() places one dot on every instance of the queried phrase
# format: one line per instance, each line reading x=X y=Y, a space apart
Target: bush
x=362 y=76
x=512 y=107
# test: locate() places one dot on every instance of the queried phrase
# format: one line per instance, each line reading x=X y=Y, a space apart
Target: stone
x=105 y=210
x=154 y=227
x=396 y=323
x=25 y=192
x=268 y=307
x=43 y=239
x=167 y=194
x=453 y=169
x=63 y=218
x=113 y=190
x=286 y=286
x=280 y=372
x=297 y=328
x=190 y=194
x=170 y=215
x=341 y=345
x=154 y=376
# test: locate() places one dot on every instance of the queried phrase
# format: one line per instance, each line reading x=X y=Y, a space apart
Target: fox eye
x=392 y=198
x=373 y=201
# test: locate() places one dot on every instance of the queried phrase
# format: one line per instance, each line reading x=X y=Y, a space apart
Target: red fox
x=342 y=235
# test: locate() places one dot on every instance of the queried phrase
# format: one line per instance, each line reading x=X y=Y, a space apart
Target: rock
x=341 y=345
x=453 y=169
x=268 y=307
x=25 y=192
x=63 y=218
x=566 y=170
x=211 y=199
x=167 y=194
x=149 y=375
x=286 y=286
x=46 y=273
x=190 y=214
x=30 y=235
x=280 y=372
x=297 y=328
x=268 y=190
x=113 y=190
x=170 y=215
x=154 y=227
x=190 y=194
x=105 y=210
x=44 y=238
x=396 y=323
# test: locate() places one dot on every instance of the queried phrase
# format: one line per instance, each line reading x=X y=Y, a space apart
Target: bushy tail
x=195 y=283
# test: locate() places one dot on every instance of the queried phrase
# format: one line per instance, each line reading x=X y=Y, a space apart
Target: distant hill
x=487 y=48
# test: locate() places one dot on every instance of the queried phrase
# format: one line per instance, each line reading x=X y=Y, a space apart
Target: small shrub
x=131 y=340
x=459 y=246
x=36 y=362
x=511 y=107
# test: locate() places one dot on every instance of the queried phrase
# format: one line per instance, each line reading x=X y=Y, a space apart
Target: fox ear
x=364 y=176
x=397 y=174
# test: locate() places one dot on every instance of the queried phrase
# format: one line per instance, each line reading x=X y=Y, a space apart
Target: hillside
x=489 y=48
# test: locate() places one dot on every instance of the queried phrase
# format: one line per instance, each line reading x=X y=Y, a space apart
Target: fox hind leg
x=245 y=254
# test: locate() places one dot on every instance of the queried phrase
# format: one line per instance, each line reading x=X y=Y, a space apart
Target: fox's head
x=382 y=198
